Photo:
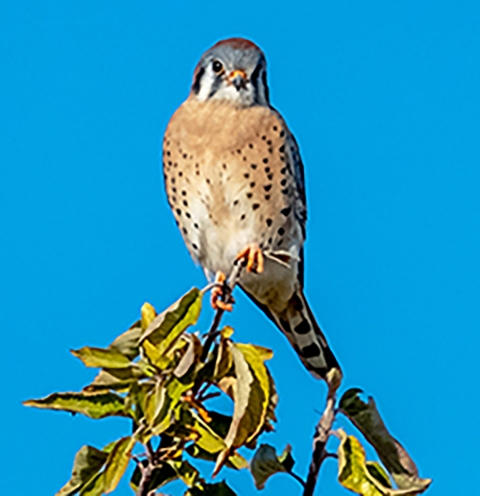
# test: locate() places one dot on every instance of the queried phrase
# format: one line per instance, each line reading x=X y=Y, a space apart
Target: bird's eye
x=217 y=66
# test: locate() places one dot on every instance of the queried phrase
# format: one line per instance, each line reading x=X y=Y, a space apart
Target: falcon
x=235 y=183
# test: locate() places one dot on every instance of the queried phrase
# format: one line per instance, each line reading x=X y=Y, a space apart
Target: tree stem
x=322 y=433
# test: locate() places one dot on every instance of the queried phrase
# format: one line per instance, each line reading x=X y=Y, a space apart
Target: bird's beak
x=238 y=78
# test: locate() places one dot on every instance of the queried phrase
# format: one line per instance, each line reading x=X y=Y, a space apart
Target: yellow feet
x=220 y=298
x=252 y=257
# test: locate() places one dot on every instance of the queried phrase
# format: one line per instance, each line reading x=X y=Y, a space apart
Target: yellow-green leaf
x=93 y=405
x=185 y=471
x=393 y=455
x=102 y=357
x=266 y=463
x=165 y=329
x=362 y=477
x=148 y=314
x=95 y=487
x=88 y=462
x=117 y=462
x=118 y=379
x=205 y=489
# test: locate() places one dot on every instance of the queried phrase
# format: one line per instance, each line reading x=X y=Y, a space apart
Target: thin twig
x=297 y=478
x=322 y=433
x=229 y=286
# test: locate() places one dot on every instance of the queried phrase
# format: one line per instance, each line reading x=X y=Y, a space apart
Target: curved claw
x=219 y=294
x=252 y=257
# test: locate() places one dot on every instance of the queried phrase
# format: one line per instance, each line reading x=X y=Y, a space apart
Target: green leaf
x=88 y=462
x=166 y=328
x=266 y=463
x=102 y=357
x=93 y=405
x=117 y=462
x=224 y=360
x=118 y=379
x=128 y=342
x=161 y=403
x=251 y=394
x=393 y=455
x=219 y=489
x=191 y=356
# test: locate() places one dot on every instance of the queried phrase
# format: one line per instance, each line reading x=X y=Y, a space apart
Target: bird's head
x=233 y=70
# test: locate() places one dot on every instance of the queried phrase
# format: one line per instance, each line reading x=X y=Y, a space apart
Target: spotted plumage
x=234 y=178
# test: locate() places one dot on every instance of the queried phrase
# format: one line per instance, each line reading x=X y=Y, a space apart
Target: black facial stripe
x=215 y=86
x=196 y=83
x=265 y=85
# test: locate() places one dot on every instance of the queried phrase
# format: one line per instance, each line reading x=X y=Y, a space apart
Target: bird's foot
x=252 y=258
x=221 y=299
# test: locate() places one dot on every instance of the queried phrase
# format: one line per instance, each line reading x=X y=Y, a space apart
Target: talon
x=252 y=255
x=219 y=293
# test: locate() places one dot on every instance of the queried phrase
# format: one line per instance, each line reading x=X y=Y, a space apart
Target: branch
x=322 y=433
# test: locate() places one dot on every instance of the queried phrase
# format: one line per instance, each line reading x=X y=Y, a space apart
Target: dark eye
x=217 y=66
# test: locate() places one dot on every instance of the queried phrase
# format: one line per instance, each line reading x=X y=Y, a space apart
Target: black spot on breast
x=174 y=199
x=269 y=222
x=246 y=175
x=179 y=212
x=270 y=176
x=185 y=203
x=255 y=206
x=310 y=351
x=265 y=160
x=267 y=169
x=282 y=133
x=175 y=164
x=264 y=137
x=269 y=142
x=197 y=173
x=184 y=193
x=187 y=215
x=283 y=170
x=270 y=240
x=224 y=166
x=252 y=185
x=208 y=180
x=286 y=211
x=253 y=166
x=173 y=180
x=174 y=190
x=283 y=182
x=184 y=230
x=239 y=151
x=180 y=174
x=282 y=149
x=281 y=231
x=194 y=246
x=303 y=327
x=285 y=191
x=249 y=195
x=195 y=225
x=184 y=155
x=235 y=203
x=267 y=197
x=275 y=128
x=250 y=145
x=169 y=153
x=242 y=217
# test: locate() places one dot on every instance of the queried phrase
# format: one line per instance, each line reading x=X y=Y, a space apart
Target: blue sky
x=384 y=102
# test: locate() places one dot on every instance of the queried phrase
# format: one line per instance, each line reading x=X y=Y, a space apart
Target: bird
x=234 y=180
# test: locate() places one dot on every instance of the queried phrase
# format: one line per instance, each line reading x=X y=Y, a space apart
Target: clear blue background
x=384 y=101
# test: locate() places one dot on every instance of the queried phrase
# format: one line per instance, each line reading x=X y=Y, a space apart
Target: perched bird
x=235 y=183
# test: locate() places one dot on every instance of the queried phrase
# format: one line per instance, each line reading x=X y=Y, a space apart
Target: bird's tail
x=298 y=324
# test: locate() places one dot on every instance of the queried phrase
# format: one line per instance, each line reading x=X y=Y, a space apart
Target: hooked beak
x=238 y=78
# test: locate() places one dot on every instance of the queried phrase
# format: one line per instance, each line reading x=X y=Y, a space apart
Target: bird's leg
x=252 y=258
x=221 y=299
